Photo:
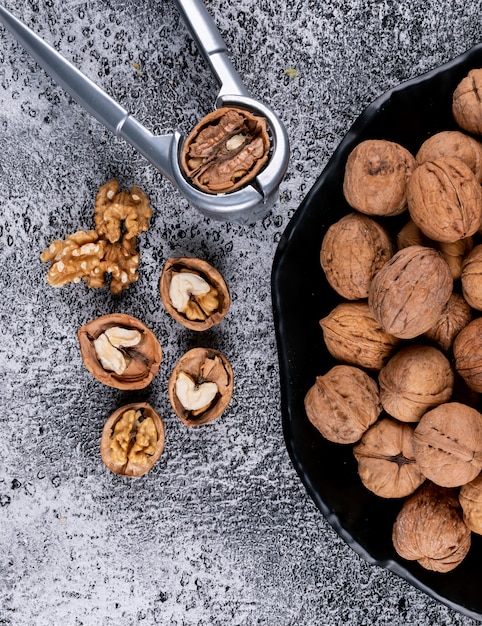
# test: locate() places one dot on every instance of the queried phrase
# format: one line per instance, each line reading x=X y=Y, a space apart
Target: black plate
x=407 y=114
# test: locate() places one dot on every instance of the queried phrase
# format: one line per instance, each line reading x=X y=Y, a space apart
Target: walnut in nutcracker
x=120 y=351
x=343 y=403
x=430 y=530
x=352 y=251
x=376 y=176
x=467 y=351
x=194 y=292
x=409 y=292
x=386 y=459
x=132 y=440
x=415 y=379
x=467 y=102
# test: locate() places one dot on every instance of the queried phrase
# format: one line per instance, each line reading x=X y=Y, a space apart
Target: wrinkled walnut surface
x=470 y=498
x=453 y=143
x=430 y=529
x=455 y=315
x=467 y=102
x=467 y=350
x=142 y=360
x=202 y=367
x=471 y=278
x=132 y=440
x=343 y=403
x=386 y=459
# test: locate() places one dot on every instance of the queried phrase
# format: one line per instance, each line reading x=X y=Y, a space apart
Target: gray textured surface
x=221 y=531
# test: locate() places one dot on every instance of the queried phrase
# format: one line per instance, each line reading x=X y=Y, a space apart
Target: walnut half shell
x=120 y=351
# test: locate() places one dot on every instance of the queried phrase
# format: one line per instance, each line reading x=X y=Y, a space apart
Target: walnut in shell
x=455 y=315
x=467 y=351
x=445 y=199
x=467 y=102
x=353 y=250
x=409 y=292
x=430 y=530
x=471 y=278
x=455 y=253
x=386 y=460
x=453 y=143
x=120 y=351
x=411 y=235
x=132 y=440
x=352 y=335
x=200 y=386
x=194 y=292
x=376 y=176
x=226 y=150
x=343 y=403
x=414 y=380
x=448 y=444
x=470 y=498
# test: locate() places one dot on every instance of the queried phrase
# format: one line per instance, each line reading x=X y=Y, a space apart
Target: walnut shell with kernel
x=430 y=530
x=448 y=444
x=453 y=143
x=409 y=292
x=467 y=351
x=376 y=176
x=343 y=403
x=445 y=199
x=386 y=460
x=352 y=251
x=467 y=102
x=353 y=336
x=455 y=315
x=414 y=380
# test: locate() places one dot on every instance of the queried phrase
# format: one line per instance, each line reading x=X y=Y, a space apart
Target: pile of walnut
x=408 y=334
x=119 y=217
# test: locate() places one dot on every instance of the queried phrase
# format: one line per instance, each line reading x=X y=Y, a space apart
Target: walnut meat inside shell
x=120 y=351
x=194 y=293
x=132 y=439
x=430 y=530
x=200 y=386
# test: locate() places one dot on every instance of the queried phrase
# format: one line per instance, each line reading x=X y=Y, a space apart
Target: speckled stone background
x=221 y=531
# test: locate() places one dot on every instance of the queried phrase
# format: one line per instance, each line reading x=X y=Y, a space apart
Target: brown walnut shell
x=202 y=365
x=471 y=278
x=453 y=143
x=448 y=444
x=467 y=102
x=408 y=294
x=205 y=313
x=455 y=253
x=376 y=176
x=470 y=498
x=455 y=315
x=415 y=379
x=445 y=199
x=343 y=403
x=353 y=336
x=386 y=460
x=353 y=250
x=467 y=350
x=142 y=360
x=430 y=530
x=411 y=235
x=126 y=449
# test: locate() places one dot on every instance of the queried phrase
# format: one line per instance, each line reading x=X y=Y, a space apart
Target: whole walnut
x=430 y=530
x=411 y=235
x=471 y=278
x=455 y=315
x=409 y=292
x=470 y=498
x=414 y=380
x=455 y=253
x=376 y=176
x=343 y=403
x=448 y=444
x=352 y=335
x=445 y=199
x=467 y=351
x=353 y=250
x=386 y=460
x=453 y=143
x=467 y=102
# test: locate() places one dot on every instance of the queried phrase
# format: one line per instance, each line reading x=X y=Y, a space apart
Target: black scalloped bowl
x=301 y=296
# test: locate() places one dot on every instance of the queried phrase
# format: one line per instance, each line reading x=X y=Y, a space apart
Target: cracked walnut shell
x=226 y=150
x=376 y=176
x=352 y=251
x=120 y=351
x=467 y=102
x=409 y=292
x=343 y=403
x=386 y=459
x=200 y=386
x=430 y=530
x=132 y=440
x=194 y=293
